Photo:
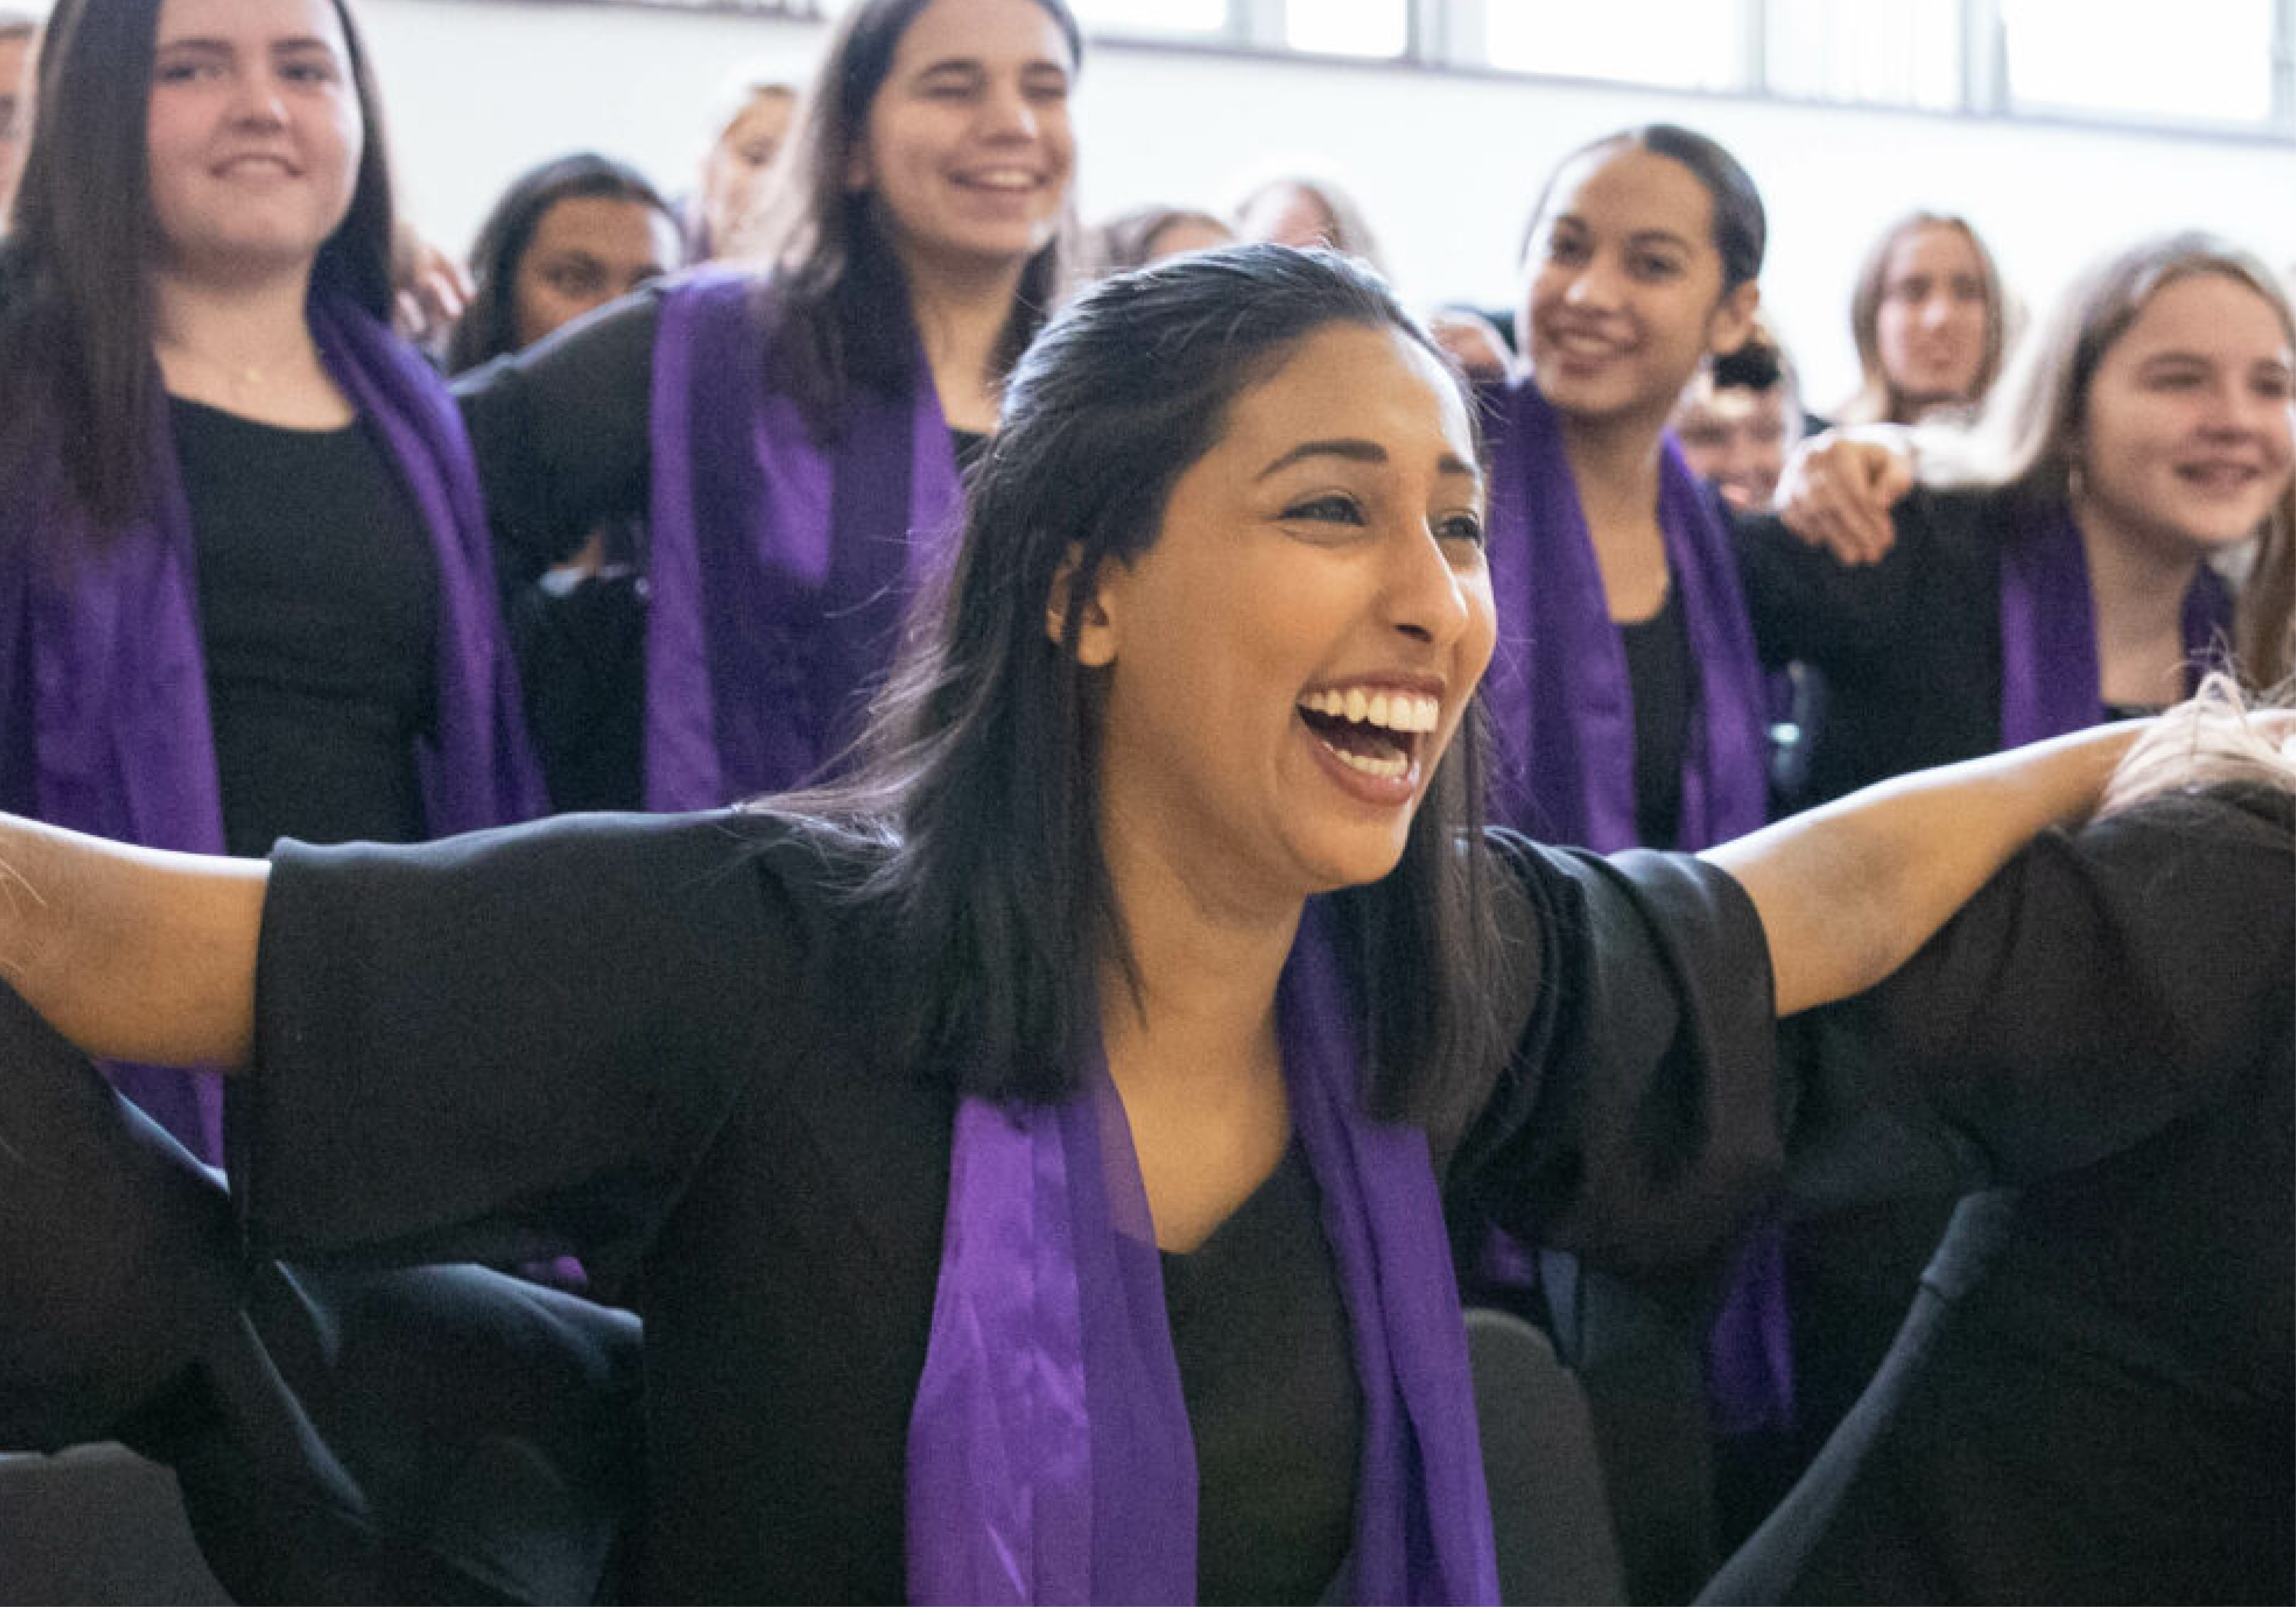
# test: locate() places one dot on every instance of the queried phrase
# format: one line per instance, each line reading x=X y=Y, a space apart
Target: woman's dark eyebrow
x=1356 y=451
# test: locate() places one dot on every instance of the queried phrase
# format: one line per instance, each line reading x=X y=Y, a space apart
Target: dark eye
x=1462 y=527
x=574 y=278
x=1333 y=507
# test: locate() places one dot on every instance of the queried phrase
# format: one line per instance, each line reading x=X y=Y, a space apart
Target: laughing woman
x=245 y=589
x=793 y=441
x=1036 y=1149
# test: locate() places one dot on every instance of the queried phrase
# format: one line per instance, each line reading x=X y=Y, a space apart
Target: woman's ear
x=1733 y=319
x=1096 y=647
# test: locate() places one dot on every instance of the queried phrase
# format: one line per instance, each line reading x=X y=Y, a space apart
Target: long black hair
x=489 y=328
x=844 y=317
x=976 y=778
x=77 y=376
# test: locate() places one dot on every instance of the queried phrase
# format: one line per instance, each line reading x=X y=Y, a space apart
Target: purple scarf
x=114 y=685
x=1050 y=1454
x=2050 y=673
x=1563 y=720
x=1562 y=710
x=780 y=568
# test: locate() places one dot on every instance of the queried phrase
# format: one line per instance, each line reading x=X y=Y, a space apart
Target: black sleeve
x=2104 y=984
x=504 y=1045
x=562 y=432
x=1637 y=1121
x=1806 y=605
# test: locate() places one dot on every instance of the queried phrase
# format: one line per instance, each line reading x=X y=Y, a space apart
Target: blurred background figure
x=17 y=31
x=1150 y=233
x=1738 y=418
x=1298 y=210
x=567 y=237
x=1930 y=321
x=753 y=124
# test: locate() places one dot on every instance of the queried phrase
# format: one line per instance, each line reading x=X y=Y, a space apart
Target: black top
x=1267 y=1368
x=1663 y=679
x=2106 y=1415
x=629 y=1037
x=1910 y=646
x=318 y=601
x=562 y=432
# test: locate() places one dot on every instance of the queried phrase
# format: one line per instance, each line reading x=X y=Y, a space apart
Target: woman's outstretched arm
x=1848 y=892
x=132 y=953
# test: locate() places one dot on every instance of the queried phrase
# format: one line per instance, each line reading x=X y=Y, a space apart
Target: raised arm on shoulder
x=132 y=953
x=1838 y=489
x=1848 y=892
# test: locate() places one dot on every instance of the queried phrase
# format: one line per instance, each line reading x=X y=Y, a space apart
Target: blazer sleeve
x=504 y=1046
x=1637 y=1121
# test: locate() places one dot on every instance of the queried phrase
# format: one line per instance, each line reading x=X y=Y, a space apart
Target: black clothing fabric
x=580 y=644
x=630 y=1039
x=440 y=1435
x=1260 y=1290
x=319 y=627
x=2104 y=1415
x=562 y=433
x=1663 y=681
x=1910 y=646
x=1909 y=652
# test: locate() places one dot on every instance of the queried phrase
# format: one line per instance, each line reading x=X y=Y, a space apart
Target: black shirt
x=1663 y=680
x=318 y=601
x=1910 y=646
x=632 y=1037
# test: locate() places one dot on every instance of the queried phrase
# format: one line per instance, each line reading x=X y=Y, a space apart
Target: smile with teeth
x=999 y=178
x=1373 y=730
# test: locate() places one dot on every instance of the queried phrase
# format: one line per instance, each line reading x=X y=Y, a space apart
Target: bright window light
x=1682 y=44
x=1347 y=28
x=1153 y=16
x=2204 y=59
x=1894 y=52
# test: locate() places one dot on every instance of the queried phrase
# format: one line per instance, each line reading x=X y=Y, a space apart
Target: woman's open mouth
x=1376 y=732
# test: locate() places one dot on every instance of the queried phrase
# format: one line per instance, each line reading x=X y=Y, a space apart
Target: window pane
x=1683 y=44
x=1901 y=52
x=2208 y=59
x=1347 y=28
x=1153 y=16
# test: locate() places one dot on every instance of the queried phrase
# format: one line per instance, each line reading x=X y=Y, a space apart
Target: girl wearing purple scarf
x=245 y=588
x=2052 y=570
x=1627 y=705
x=792 y=440
x=1036 y=1150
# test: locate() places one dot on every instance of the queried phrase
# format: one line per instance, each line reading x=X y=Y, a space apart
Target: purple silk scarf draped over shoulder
x=781 y=566
x=1050 y=1457
x=2050 y=672
x=101 y=658
x=1561 y=708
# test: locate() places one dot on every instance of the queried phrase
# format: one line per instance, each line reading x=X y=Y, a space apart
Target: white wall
x=1445 y=165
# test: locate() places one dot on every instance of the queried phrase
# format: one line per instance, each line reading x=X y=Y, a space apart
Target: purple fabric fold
x=781 y=567
x=110 y=679
x=1563 y=723
x=1050 y=1454
x=1562 y=709
x=2050 y=671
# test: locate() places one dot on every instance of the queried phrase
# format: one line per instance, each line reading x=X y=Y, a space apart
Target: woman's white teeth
x=1391 y=768
x=1390 y=710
